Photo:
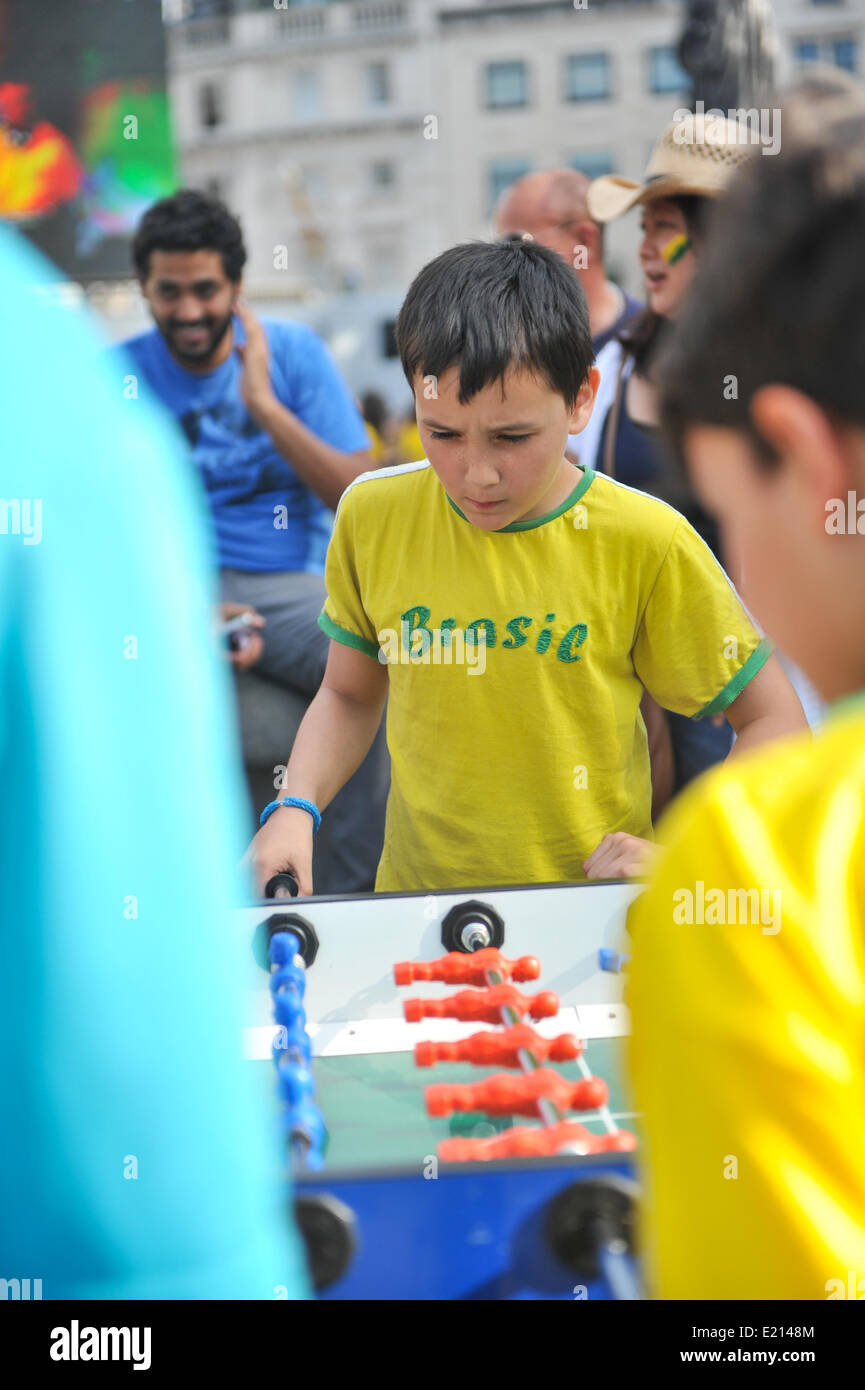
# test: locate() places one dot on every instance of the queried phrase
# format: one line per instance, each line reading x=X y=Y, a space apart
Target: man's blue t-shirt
x=266 y=518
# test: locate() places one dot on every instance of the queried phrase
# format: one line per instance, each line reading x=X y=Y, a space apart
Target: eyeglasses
x=547 y=227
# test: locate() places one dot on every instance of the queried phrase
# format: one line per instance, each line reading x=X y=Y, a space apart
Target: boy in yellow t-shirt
x=513 y=607
x=747 y=988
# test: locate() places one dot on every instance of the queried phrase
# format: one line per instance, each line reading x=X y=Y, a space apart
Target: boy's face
x=500 y=457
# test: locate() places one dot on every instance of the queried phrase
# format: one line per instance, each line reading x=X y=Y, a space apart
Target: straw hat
x=695 y=155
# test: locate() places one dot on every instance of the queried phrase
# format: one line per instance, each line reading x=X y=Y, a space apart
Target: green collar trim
x=579 y=491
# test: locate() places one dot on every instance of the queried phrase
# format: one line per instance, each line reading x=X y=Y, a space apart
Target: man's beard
x=216 y=331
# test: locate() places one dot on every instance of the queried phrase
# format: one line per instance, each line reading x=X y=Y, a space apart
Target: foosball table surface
x=424 y=1228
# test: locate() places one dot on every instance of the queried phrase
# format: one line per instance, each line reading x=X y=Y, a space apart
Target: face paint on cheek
x=675 y=249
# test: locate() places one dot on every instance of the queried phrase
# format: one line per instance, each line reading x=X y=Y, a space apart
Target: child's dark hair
x=189 y=221
x=779 y=292
x=488 y=307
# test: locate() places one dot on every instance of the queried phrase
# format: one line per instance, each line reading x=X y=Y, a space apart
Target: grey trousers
x=295 y=655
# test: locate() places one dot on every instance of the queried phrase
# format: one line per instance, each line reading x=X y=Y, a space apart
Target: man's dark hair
x=779 y=292
x=493 y=306
x=190 y=221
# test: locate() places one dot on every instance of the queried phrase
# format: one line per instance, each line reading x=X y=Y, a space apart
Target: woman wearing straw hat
x=689 y=167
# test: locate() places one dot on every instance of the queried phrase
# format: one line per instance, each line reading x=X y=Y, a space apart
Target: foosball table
x=450 y=1069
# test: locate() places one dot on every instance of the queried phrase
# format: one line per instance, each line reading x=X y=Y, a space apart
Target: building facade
x=359 y=138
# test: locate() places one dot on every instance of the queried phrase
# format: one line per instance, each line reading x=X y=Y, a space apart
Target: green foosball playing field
x=373 y=1104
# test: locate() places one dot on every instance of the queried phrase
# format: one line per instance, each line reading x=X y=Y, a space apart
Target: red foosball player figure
x=457 y=968
x=483 y=1005
x=518 y=1095
x=500 y=1049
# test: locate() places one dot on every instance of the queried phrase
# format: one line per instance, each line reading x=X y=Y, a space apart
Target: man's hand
x=248 y=645
x=255 y=386
x=621 y=856
x=324 y=469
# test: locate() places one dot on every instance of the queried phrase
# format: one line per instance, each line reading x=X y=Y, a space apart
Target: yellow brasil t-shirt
x=747 y=1056
x=514 y=754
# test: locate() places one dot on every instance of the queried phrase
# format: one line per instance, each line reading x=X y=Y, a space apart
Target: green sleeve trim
x=756 y=661
x=348 y=639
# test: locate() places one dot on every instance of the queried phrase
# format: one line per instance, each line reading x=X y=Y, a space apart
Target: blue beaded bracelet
x=293 y=801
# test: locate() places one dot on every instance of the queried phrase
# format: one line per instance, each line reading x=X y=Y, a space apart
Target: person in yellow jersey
x=512 y=606
x=409 y=446
x=747 y=986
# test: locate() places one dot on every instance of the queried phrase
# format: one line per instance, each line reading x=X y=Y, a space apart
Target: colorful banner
x=85 y=129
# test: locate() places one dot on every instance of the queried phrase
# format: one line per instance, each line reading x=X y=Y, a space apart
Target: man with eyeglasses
x=551 y=207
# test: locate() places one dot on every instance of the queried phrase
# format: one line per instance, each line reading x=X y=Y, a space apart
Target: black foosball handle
x=470 y=925
x=282 y=885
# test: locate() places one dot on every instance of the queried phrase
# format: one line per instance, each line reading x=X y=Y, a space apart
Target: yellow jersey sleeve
x=344 y=617
x=696 y=648
x=747 y=997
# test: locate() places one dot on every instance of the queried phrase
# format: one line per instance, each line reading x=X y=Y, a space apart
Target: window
x=210 y=105
x=844 y=52
x=666 y=73
x=382 y=174
x=807 y=52
x=506 y=85
x=593 y=163
x=306 y=104
x=206 y=9
x=587 y=77
x=378 y=84
x=501 y=173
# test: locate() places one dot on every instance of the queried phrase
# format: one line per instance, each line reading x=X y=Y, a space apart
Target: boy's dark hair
x=779 y=292
x=491 y=306
x=189 y=221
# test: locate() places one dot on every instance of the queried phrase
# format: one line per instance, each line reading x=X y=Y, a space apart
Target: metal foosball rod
x=548 y=1112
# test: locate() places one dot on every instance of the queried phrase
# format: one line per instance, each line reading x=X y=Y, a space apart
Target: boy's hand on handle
x=621 y=856
x=283 y=844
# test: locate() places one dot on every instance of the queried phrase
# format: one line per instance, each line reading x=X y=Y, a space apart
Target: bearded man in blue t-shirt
x=276 y=438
